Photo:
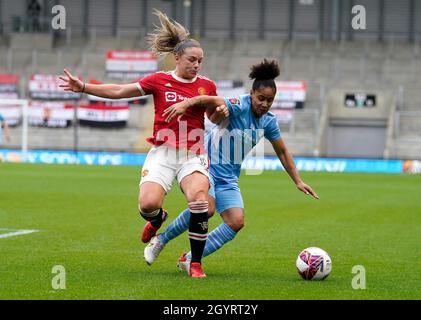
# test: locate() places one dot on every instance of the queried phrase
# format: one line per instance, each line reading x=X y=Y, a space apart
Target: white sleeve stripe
x=140 y=88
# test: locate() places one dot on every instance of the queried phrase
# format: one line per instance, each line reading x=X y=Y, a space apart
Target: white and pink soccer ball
x=314 y=264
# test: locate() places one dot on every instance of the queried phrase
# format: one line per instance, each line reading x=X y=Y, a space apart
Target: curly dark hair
x=264 y=74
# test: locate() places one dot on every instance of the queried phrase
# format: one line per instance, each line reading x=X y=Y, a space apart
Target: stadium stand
x=349 y=62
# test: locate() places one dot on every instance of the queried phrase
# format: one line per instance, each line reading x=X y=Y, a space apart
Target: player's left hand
x=176 y=110
x=307 y=190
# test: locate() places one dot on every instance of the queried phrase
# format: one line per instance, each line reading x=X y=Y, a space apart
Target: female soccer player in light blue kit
x=228 y=143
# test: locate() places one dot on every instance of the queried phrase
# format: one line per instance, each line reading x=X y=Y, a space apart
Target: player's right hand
x=71 y=82
x=176 y=110
x=307 y=190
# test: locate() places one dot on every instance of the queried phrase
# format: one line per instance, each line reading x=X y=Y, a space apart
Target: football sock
x=198 y=228
x=216 y=239
x=177 y=227
x=154 y=217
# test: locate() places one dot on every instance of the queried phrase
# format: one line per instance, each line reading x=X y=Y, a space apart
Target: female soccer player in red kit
x=177 y=150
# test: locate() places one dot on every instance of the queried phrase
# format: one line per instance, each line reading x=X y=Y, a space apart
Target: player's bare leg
x=225 y=232
x=234 y=218
x=151 y=198
x=178 y=226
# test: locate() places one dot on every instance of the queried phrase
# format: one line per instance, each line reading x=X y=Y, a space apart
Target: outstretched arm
x=6 y=131
x=289 y=165
x=215 y=105
x=110 y=91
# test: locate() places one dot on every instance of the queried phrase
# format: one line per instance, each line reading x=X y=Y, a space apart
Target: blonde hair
x=170 y=37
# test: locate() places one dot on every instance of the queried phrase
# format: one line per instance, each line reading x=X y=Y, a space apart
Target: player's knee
x=147 y=206
x=236 y=224
x=200 y=195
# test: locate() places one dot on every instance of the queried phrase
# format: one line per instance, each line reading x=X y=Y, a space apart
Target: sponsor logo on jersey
x=170 y=96
x=173 y=97
x=168 y=85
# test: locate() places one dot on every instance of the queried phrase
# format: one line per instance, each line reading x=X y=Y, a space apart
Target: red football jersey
x=167 y=88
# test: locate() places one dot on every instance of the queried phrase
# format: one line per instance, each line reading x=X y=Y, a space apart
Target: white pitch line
x=16 y=233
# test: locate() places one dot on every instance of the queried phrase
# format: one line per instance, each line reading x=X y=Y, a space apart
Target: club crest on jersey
x=145 y=173
x=201 y=91
x=234 y=101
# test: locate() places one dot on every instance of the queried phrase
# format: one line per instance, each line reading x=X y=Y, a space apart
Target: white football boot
x=152 y=250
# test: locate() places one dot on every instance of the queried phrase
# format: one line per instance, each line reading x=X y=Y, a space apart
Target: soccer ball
x=313 y=264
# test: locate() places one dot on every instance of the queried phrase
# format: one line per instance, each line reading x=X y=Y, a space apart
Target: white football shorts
x=163 y=164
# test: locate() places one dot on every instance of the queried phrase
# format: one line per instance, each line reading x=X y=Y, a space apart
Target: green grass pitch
x=88 y=222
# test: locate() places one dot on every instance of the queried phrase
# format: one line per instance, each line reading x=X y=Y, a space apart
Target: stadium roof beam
x=262 y=19
x=115 y=17
x=381 y=21
x=339 y=17
x=1 y=14
x=203 y=19
x=188 y=6
x=335 y=20
x=174 y=9
x=412 y=8
x=321 y=19
x=232 y=19
x=86 y=18
x=145 y=16
x=350 y=33
x=291 y=19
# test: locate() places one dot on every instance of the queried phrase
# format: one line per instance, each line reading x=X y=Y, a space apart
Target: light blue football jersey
x=229 y=142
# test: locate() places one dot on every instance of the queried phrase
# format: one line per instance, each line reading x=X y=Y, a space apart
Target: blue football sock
x=177 y=227
x=216 y=239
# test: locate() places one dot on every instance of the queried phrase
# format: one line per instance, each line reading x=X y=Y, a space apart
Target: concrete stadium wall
x=273 y=19
x=357 y=132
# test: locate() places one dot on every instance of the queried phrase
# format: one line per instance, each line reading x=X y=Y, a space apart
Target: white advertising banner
x=97 y=114
x=130 y=64
x=9 y=89
x=50 y=114
x=11 y=113
x=290 y=94
x=230 y=88
x=46 y=87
